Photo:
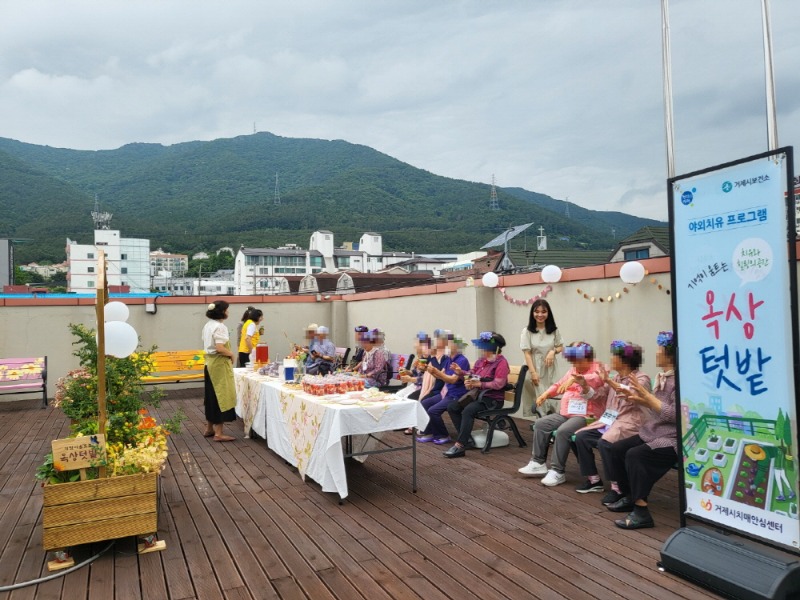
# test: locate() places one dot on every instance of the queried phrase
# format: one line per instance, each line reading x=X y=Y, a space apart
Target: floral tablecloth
x=307 y=431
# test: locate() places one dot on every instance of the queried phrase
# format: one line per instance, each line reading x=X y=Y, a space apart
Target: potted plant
x=115 y=496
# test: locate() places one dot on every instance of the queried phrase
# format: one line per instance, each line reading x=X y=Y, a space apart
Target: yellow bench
x=176 y=366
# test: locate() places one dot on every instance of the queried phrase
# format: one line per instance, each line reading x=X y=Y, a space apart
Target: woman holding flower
x=583 y=394
x=621 y=419
x=490 y=373
x=220 y=391
x=639 y=461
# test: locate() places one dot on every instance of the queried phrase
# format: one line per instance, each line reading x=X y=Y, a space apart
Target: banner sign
x=734 y=319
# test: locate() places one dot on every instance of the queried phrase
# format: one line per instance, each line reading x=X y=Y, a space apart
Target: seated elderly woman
x=321 y=354
x=490 y=373
x=358 y=350
x=639 y=461
x=620 y=420
x=583 y=394
x=376 y=358
x=436 y=431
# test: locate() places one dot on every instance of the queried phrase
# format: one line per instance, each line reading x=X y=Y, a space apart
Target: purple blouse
x=661 y=431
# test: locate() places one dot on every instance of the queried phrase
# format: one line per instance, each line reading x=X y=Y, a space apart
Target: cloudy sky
x=562 y=97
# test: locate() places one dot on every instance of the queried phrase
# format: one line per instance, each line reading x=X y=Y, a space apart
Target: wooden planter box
x=99 y=509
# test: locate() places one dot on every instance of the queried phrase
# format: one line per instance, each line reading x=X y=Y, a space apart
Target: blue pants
x=436 y=406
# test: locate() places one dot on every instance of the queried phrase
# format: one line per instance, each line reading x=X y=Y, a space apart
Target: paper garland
x=516 y=302
x=618 y=295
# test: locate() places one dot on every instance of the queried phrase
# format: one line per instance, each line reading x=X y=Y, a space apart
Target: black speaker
x=730 y=565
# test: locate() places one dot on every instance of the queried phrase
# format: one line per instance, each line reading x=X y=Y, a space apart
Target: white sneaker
x=554 y=478
x=533 y=469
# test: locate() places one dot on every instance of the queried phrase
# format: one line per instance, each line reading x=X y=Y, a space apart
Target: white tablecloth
x=307 y=431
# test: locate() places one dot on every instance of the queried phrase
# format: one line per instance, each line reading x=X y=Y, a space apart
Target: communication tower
x=566 y=207
x=102 y=220
x=493 y=204
x=277 y=200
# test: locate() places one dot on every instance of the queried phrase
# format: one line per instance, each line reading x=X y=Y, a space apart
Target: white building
x=44 y=270
x=176 y=264
x=263 y=270
x=127 y=262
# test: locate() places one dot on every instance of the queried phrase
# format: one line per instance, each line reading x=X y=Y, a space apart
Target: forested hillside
x=202 y=195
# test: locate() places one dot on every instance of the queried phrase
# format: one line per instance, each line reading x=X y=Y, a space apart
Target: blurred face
x=663 y=360
x=617 y=364
x=540 y=314
x=454 y=349
x=441 y=343
x=581 y=364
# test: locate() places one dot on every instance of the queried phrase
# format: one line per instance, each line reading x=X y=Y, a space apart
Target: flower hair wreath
x=665 y=339
x=212 y=306
x=487 y=336
x=621 y=348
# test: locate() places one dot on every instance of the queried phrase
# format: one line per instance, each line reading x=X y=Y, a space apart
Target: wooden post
x=102 y=296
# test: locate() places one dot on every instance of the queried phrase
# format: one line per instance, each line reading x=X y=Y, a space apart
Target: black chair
x=397 y=362
x=342 y=355
x=500 y=418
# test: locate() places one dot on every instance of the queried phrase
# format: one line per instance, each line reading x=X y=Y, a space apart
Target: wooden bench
x=24 y=376
x=176 y=366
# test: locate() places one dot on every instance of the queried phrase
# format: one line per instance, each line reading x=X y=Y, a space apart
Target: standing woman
x=240 y=325
x=220 y=392
x=540 y=342
x=250 y=335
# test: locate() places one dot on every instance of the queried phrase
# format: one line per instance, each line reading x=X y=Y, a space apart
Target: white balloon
x=551 y=274
x=632 y=272
x=116 y=311
x=490 y=279
x=121 y=339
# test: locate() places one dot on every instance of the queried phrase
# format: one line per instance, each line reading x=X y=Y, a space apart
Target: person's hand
x=456 y=368
x=407 y=378
x=535 y=378
x=541 y=399
x=550 y=358
x=567 y=384
x=602 y=372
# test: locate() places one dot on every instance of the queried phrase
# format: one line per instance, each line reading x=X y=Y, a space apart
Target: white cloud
x=562 y=98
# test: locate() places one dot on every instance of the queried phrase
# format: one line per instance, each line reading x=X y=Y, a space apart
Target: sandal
x=223 y=438
x=409 y=431
x=208 y=433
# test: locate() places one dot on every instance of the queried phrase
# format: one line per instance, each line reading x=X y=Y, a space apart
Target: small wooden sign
x=78 y=453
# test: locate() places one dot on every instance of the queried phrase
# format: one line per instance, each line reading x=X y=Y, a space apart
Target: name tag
x=577 y=407
x=609 y=416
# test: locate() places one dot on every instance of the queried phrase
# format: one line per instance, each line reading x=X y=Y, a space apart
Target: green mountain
x=203 y=195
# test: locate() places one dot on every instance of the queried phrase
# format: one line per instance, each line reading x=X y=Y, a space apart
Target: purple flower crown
x=581 y=350
x=621 y=348
x=666 y=339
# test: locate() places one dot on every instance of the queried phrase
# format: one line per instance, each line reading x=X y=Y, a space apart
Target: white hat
x=311 y=327
x=322 y=329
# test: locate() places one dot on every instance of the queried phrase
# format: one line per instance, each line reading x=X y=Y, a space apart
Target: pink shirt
x=596 y=398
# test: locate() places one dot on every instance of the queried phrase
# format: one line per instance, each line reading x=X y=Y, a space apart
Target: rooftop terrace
x=240 y=524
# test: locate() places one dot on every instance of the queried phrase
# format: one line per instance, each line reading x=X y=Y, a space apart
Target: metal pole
x=772 y=120
x=666 y=64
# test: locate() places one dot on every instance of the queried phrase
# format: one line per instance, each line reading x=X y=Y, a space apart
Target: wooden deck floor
x=240 y=524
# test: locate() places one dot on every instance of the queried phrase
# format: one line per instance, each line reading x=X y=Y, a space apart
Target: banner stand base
x=730 y=565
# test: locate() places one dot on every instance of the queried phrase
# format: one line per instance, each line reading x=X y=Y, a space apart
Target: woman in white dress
x=540 y=341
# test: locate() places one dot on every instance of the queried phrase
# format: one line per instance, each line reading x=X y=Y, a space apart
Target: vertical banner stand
x=734 y=310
